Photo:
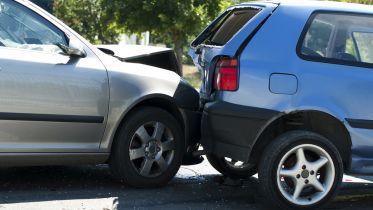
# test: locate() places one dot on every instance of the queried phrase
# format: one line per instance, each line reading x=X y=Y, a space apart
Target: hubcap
x=305 y=174
x=152 y=149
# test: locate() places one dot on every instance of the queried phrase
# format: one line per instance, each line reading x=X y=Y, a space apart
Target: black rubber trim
x=239 y=111
x=186 y=96
x=230 y=130
x=364 y=124
x=50 y=118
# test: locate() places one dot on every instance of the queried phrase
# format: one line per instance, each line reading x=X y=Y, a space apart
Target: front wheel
x=149 y=148
x=300 y=170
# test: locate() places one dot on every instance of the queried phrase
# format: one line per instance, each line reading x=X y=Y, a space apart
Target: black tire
x=127 y=170
x=276 y=152
x=221 y=165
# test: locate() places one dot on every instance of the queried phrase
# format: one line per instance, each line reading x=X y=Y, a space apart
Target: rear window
x=340 y=38
x=229 y=25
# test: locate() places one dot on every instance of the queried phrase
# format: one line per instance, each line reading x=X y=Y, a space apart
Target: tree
x=173 y=21
x=88 y=19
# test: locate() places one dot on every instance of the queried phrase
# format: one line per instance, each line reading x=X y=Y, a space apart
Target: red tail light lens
x=226 y=75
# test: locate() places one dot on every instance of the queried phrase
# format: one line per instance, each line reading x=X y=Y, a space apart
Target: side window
x=24 y=29
x=338 y=38
x=364 y=45
x=317 y=39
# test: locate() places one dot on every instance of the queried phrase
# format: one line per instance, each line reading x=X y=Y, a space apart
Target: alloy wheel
x=152 y=149
x=305 y=174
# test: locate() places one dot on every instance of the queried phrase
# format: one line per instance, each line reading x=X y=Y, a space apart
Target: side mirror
x=75 y=48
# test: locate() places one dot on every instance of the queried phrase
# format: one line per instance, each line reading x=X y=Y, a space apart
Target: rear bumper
x=230 y=130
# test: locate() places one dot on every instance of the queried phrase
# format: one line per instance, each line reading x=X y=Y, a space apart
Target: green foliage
x=88 y=18
x=161 y=16
x=358 y=1
x=364 y=43
x=169 y=21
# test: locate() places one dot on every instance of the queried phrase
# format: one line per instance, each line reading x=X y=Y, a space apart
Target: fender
x=106 y=143
x=183 y=105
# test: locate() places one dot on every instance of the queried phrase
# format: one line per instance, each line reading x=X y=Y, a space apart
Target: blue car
x=288 y=92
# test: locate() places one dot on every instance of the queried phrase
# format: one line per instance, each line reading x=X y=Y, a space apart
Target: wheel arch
x=161 y=101
x=331 y=127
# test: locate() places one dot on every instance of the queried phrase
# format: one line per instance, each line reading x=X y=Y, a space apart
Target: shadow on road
x=38 y=184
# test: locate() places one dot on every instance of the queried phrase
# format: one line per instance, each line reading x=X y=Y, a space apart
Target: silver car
x=63 y=102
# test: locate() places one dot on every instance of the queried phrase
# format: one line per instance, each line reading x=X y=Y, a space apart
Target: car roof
x=316 y=5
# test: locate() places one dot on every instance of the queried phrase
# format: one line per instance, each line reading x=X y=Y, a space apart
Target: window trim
x=356 y=46
x=328 y=60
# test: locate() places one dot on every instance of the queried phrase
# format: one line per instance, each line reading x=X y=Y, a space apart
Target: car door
x=49 y=102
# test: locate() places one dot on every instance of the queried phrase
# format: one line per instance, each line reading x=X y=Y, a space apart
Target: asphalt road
x=196 y=187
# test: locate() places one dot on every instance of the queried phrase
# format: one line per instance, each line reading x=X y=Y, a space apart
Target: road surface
x=194 y=187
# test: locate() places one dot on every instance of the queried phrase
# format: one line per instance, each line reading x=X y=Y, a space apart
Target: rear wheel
x=149 y=148
x=300 y=170
x=231 y=168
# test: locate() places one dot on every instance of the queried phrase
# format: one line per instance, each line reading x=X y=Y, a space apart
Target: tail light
x=226 y=75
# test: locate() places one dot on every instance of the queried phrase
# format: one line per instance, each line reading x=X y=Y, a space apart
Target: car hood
x=147 y=75
x=132 y=51
x=159 y=57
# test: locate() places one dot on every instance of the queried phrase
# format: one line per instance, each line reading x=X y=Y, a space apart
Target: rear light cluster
x=226 y=74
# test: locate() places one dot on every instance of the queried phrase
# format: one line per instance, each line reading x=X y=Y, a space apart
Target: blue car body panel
x=270 y=58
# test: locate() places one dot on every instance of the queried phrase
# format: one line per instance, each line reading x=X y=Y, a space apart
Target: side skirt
x=49 y=159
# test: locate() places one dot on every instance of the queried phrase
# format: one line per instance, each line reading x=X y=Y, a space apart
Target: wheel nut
x=306 y=181
x=298 y=176
x=312 y=172
x=304 y=167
